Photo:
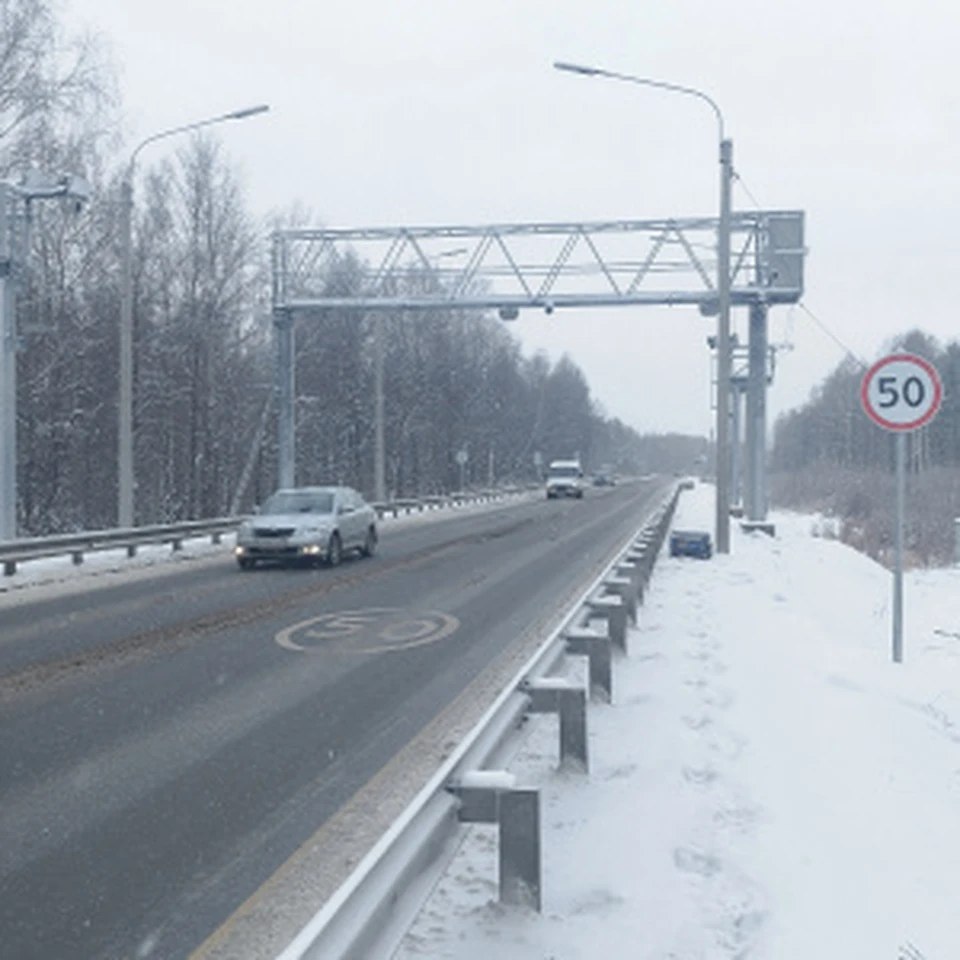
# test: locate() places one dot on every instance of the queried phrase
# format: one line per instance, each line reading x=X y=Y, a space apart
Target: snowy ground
x=767 y=783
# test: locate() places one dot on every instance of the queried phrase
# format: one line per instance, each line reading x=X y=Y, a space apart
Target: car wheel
x=369 y=547
x=245 y=563
x=334 y=551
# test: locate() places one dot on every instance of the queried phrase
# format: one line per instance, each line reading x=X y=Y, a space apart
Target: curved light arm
x=233 y=115
x=644 y=81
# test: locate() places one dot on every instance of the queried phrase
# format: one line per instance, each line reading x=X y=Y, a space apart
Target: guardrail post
x=633 y=570
x=560 y=696
x=9 y=568
x=215 y=537
x=131 y=550
x=615 y=613
x=623 y=587
x=520 y=884
x=490 y=796
x=596 y=648
x=77 y=557
x=176 y=544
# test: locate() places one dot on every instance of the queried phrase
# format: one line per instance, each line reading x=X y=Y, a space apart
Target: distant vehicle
x=565 y=479
x=308 y=525
x=604 y=479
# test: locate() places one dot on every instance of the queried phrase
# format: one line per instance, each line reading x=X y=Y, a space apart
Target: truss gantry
x=538 y=265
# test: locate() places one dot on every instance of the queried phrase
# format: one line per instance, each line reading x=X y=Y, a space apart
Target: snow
x=766 y=783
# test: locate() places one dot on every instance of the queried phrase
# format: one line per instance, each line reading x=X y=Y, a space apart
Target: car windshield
x=299 y=501
x=564 y=472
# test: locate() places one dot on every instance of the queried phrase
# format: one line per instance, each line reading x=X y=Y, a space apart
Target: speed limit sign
x=901 y=392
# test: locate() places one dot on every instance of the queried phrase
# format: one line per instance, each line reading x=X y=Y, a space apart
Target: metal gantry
x=548 y=266
x=540 y=265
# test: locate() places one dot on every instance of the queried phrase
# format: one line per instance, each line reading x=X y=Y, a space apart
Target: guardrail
x=368 y=915
x=76 y=545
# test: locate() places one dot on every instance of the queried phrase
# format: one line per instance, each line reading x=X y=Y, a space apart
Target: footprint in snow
x=721 y=699
x=692 y=861
x=737 y=818
x=699 y=776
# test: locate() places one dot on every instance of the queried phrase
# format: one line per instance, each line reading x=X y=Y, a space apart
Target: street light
x=125 y=427
x=723 y=288
x=15 y=201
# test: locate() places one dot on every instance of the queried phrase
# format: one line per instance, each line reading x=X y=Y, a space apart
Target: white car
x=564 y=479
x=308 y=525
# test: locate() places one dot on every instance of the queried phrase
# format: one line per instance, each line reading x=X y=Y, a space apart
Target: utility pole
x=125 y=468
x=757 y=413
x=723 y=350
x=379 y=453
x=8 y=372
x=14 y=251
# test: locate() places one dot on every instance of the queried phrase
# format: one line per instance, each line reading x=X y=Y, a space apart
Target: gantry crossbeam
x=541 y=265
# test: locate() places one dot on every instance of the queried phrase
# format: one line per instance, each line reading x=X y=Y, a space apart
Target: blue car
x=691 y=543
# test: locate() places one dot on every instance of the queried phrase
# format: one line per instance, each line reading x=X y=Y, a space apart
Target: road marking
x=370 y=631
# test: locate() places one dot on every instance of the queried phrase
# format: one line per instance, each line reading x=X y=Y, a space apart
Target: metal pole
x=723 y=350
x=125 y=426
x=8 y=401
x=723 y=287
x=125 y=474
x=735 y=452
x=8 y=371
x=286 y=436
x=379 y=454
x=757 y=414
x=898 y=554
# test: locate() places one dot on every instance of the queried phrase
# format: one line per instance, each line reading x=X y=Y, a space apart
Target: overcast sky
x=409 y=112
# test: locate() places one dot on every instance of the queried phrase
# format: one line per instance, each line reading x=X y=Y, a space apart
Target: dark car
x=691 y=543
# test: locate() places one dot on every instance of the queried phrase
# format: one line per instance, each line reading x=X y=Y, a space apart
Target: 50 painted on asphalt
x=371 y=631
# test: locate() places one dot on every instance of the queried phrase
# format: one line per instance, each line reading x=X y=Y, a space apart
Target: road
x=169 y=742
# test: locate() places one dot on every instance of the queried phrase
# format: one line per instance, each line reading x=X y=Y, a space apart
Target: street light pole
x=125 y=483
x=723 y=288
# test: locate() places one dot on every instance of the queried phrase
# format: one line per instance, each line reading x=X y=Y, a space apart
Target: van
x=564 y=479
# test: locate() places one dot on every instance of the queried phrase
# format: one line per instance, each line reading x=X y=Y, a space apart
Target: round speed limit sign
x=901 y=392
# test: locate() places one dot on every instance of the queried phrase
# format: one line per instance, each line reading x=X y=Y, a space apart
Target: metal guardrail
x=76 y=545
x=370 y=912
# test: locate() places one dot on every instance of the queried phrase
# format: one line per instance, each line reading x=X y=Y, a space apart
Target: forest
x=828 y=456
x=204 y=436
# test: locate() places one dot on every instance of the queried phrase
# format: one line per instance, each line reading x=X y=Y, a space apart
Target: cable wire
x=746 y=189
x=853 y=356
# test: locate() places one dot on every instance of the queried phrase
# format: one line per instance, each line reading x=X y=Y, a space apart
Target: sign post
x=461 y=457
x=900 y=393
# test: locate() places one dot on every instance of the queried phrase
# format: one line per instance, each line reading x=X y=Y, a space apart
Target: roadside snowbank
x=767 y=783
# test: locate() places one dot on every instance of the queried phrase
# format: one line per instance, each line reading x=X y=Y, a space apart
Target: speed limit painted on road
x=901 y=392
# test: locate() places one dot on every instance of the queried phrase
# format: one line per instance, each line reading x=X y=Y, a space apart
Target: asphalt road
x=167 y=742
